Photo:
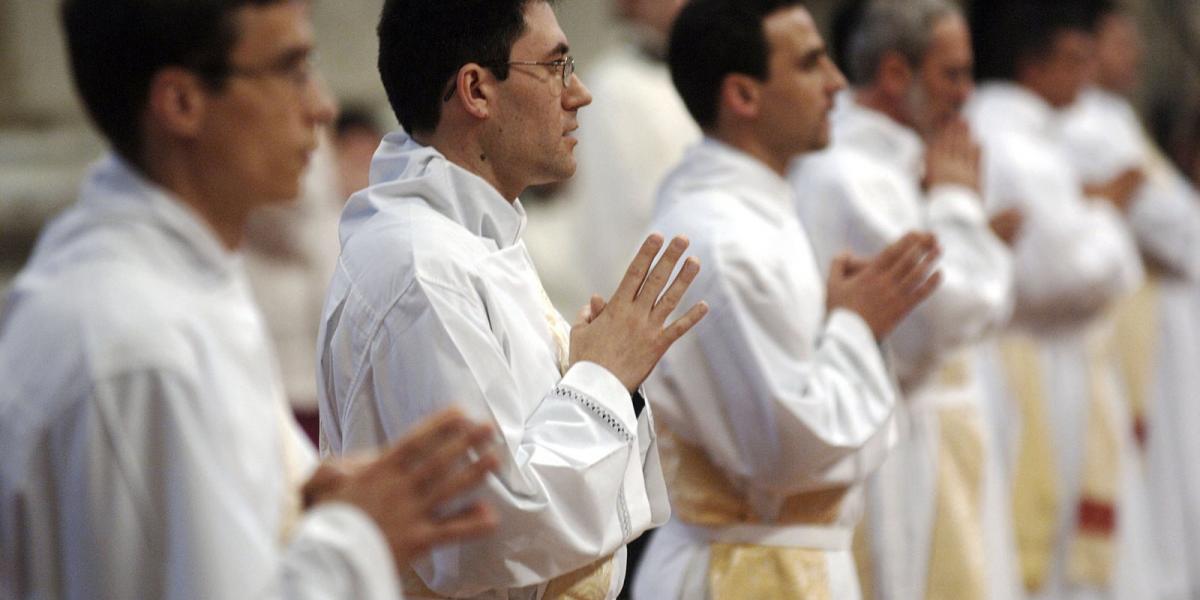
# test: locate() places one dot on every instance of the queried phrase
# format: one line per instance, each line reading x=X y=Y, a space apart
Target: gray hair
x=902 y=26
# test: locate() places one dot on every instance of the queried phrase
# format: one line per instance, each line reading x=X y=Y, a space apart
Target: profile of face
x=260 y=127
x=944 y=82
x=1118 y=53
x=802 y=81
x=1063 y=71
x=534 y=115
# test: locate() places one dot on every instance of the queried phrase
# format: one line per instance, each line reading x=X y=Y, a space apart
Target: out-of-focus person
x=773 y=414
x=636 y=129
x=436 y=300
x=356 y=136
x=146 y=447
x=1079 y=498
x=1157 y=328
x=289 y=255
x=938 y=520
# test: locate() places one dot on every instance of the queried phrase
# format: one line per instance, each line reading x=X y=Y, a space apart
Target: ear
x=178 y=102
x=476 y=90
x=740 y=95
x=895 y=74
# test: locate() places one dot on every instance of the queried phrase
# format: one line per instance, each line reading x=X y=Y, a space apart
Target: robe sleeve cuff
x=339 y=544
x=953 y=202
x=852 y=329
x=599 y=386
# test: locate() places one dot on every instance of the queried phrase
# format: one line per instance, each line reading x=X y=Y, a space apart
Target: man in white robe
x=775 y=411
x=635 y=131
x=938 y=522
x=435 y=301
x=1108 y=145
x=146 y=447
x=1078 y=496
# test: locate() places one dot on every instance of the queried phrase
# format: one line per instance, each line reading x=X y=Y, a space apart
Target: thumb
x=597 y=307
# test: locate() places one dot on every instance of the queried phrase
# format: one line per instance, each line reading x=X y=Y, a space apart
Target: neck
x=469 y=152
x=876 y=100
x=223 y=210
x=746 y=141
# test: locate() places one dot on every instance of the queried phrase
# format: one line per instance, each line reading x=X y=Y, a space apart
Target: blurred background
x=45 y=142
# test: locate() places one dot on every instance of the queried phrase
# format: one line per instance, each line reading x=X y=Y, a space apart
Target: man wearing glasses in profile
x=436 y=300
x=146 y=448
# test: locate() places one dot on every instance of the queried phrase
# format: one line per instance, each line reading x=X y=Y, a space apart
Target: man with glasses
x=435 y=300
x=146 y=449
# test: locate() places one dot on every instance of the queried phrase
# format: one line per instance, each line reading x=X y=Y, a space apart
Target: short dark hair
x=423 y=44
x=712 y=39
x=1008 y=34
x=117 y=46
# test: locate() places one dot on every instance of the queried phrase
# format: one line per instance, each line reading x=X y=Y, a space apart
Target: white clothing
x=1103 y=137
x=289 y=257
x=145 y=444
x=1095 y=259
x=1074 y=259
x=860 y=195
x=634 y=132
x=781 y=397
x=434 y=303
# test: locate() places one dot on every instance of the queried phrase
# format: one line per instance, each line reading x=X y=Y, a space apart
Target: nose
x=321 y=107
x=576 y=96
x=836 y=80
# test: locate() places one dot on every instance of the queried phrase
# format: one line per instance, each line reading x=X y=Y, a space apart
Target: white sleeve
x=781 y=408
x=1073 y=255
x=975 y=295
x=165 y=509
x=572 y=484
x=1165 y=218
x=849 y=207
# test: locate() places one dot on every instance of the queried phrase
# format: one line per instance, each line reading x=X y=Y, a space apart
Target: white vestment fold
x=1074 y=260
x=435 y=303
x=860 y=195
x=146 y=448
x=776 y=411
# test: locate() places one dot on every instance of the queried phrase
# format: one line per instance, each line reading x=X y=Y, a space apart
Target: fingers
x=452 y=450
x=923 y=290
x=597 y=306
x=636 y=273
x=675 y=293
x=897 y=250
x=661 y=273
x=919 y=272
x=426 y=437
x=477 y=520
x=683 y=324
x=450 y=484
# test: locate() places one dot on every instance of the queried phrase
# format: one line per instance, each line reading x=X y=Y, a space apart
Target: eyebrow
x=814 y=54
x=562 y=49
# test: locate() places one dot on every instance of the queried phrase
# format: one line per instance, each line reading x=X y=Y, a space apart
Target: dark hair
x=1007 y=34
x=712 y=39
x=354 y=117
x=423 y=44
x=117 y=46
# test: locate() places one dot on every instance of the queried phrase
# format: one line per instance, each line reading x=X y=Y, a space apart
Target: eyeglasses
x=567 y=65
x=296 y=71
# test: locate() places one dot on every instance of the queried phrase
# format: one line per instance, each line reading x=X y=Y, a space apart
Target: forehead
x=271 y=29
x=542 y=33
x=791 y=31
x=950 y=38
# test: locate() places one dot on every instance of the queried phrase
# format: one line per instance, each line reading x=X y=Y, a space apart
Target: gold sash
x=1137 y=331
x=702 y=495
x=957 y=560
x=1035 y=484
x=591 y=582
x=1093 y=549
